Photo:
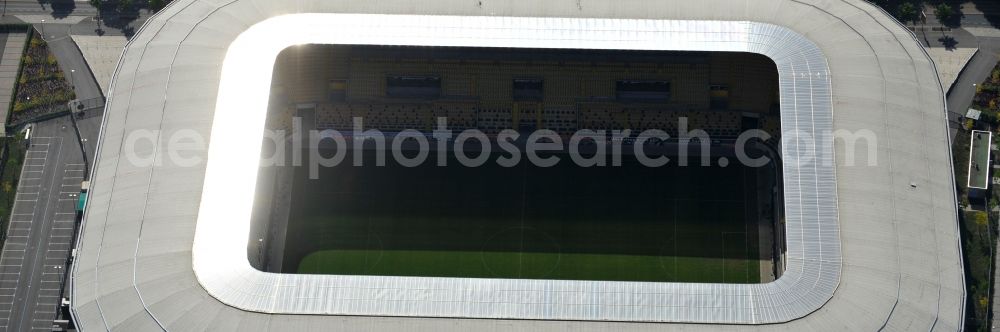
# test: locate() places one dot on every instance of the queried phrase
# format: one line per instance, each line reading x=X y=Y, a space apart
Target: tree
x=982 y=219
x=943 y=12
x=97 y=4
x=124 y=5
x=155 y=4
x=906 y=12
x=881 y=3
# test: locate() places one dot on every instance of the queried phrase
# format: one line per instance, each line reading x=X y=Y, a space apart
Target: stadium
x=829 y=235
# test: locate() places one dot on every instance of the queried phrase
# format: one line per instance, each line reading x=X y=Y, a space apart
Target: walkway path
x=102 y=53
x=976 y=71
x=950 y=62
x=71 y=61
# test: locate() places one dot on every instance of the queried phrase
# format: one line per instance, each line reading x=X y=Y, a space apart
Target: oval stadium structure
x=870 y=247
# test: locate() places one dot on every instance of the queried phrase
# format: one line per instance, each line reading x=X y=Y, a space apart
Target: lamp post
x=98 y=16
x=72 y=82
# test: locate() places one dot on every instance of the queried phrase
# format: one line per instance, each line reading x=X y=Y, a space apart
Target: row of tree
x=124 y=5
x=909 y=12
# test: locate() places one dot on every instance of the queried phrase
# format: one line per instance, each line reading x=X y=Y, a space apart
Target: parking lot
x=39 y=242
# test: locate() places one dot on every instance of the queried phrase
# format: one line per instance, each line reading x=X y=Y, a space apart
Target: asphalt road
x=58 y=8
x=113 y=22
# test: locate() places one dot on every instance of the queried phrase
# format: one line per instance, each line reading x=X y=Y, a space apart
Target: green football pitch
x=628 y=223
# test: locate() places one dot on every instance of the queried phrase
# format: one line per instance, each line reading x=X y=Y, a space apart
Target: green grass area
x=15 y=151
x=978 y=228
x=42 y=87
x=976 y=245
x=528 y=265
x=630 y=223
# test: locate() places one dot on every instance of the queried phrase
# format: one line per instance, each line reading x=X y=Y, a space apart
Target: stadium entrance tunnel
x=572 y=165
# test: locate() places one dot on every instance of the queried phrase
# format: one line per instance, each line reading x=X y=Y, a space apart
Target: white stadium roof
x=866 y=250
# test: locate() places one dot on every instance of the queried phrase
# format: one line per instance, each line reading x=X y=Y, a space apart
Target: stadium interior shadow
x=694 y=211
